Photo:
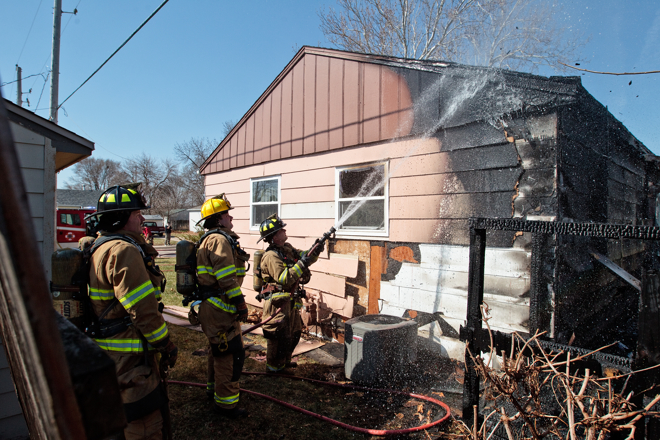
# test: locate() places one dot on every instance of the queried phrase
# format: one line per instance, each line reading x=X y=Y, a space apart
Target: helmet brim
x=215 y=213
x=97 y=213
x=272 y=233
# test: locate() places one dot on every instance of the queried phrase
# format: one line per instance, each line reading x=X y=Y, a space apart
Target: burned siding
x=603 y=177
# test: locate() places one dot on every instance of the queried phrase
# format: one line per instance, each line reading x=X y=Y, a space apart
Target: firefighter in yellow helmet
x=283 y=269
x=125 y=287
x=220 y=273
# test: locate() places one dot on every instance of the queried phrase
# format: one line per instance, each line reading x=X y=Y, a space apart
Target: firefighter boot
x=234 y=413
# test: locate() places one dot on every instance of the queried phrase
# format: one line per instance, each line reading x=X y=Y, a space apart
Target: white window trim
x=386 y=209
x=279 y=197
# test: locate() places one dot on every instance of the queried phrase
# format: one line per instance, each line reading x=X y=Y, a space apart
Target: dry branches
x=540 y=394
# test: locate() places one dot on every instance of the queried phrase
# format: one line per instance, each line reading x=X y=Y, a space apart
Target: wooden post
x=27 y=321
x=475 y=300
x=375 y=271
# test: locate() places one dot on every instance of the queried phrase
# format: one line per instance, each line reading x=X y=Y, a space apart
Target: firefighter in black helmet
x=283 y=267
x=125 y=287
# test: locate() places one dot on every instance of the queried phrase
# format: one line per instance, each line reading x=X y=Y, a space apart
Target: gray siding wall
x=37 y=161
x=12 y=422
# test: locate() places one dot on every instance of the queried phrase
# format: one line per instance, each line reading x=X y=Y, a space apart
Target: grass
x=191 y=411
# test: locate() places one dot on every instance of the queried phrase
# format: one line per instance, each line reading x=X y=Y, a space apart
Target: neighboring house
x=43 y=149
x=179 y=219
x=420 y=147
x=154 y=218
x=78 y=198
x=194 y=216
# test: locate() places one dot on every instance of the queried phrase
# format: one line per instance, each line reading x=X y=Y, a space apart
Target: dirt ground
x=192 y=416
x=191 y=411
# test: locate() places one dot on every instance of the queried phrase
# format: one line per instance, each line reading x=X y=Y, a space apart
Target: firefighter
x=125 y=288
x=220 y=274
x=283 y=267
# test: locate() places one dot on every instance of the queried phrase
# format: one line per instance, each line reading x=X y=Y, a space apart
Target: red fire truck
x=71 y=226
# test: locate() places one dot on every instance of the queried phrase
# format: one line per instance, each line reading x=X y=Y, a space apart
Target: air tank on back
x=257 y=281
x=69 y=294
x=185 y=274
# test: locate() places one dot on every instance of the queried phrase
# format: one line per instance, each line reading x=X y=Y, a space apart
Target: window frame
x=254 y=227
x=385 y=232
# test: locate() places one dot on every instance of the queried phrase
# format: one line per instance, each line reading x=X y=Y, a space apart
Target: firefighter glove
x=320 y=247
x=169 y=355
x=242 y=311
x=306 y=260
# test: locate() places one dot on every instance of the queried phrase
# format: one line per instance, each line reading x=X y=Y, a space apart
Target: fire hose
x=381 y=432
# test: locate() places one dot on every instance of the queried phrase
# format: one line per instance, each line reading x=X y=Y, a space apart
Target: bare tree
x=152 y=173
x=172 y=195
x=227 y=126
x=97 y=174
x=193 y=153
x=516 y=34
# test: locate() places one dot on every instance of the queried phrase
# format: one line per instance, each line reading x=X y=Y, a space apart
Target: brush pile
x=537 y=394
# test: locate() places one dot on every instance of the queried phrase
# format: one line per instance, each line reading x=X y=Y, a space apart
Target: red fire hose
x=382 y=432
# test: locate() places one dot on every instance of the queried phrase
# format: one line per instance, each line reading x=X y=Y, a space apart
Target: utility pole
x=55 y=59
x=19 y=87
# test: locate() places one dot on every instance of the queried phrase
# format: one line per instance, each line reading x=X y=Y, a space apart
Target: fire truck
x=71 y=225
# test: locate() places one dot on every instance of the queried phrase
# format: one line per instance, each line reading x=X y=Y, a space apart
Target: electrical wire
x=28 y=34
x=113 y=54
x=380 y=432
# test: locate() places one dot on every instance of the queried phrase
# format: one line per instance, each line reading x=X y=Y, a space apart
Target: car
x=154 y=229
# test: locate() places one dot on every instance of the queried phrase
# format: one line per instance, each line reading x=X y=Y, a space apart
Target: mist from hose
x=468 y=89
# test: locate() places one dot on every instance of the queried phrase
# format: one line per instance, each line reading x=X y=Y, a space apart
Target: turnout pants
x=282 y=333
x=226 y=356
x=142 y=395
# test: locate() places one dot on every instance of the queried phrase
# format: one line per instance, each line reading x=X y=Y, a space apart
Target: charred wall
x=604 y=177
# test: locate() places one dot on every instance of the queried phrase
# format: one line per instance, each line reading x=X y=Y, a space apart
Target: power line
x=28 y=35
x=113 y=54
x=25 y=77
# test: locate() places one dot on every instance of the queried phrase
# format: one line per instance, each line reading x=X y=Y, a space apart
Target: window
x=361 y=199
x=70 y=219
x=264 y=199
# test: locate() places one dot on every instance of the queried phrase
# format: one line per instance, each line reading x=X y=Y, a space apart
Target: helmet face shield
x=270 y=226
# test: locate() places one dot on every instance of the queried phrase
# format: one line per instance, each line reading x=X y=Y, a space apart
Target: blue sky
x=200 y=63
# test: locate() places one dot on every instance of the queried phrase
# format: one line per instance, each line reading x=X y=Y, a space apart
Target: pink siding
x=258 y=119
x=309 y=105
x=335 y=104
x=321 y=102
x=371 y=104
x=309 y=195
x=305 y=179
x=276 y=125
x=297 y=121
x=266 y=143
x=249 y=142
x=287 y=107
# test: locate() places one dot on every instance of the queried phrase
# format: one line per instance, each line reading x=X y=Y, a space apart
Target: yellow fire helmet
x=270 y=226
x=215 y=205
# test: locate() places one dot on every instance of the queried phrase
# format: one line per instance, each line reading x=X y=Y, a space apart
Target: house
x=398 y=154
x=154 y=218
x=78 y=198
x=43 y=149
x=179 y=219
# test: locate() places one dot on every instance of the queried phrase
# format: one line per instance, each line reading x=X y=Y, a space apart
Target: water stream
x=468 y=89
